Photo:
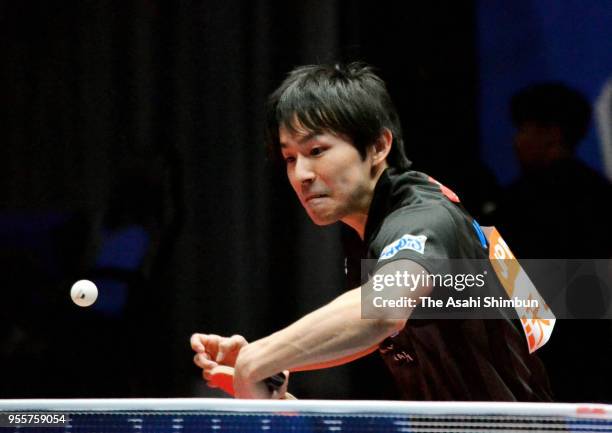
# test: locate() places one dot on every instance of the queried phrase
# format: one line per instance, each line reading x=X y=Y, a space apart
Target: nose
x=304 y=172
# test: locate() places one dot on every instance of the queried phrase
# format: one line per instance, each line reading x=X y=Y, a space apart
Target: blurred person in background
x=558 y=209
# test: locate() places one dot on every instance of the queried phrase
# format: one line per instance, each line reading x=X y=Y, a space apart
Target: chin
x=322 y=221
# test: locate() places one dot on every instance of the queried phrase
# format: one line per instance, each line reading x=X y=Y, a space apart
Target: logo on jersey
x=406 y=242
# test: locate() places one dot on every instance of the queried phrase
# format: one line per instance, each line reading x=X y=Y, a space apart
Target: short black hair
x=341 y=99
x=553 y=104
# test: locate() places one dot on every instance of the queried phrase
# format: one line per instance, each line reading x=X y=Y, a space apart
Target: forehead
x=294 y=136
x=293 y=130
x=298 y=136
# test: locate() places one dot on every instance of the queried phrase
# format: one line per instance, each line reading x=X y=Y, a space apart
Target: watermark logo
x=406 y=242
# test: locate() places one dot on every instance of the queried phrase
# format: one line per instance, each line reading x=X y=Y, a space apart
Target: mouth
x=314 y=196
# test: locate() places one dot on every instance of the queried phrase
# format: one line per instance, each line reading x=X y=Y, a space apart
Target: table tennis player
x=336 y=130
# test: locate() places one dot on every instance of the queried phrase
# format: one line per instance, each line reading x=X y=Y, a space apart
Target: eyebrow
x=303 y=139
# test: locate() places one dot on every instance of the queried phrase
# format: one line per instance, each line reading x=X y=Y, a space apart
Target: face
x=328 y=175
x=537 y=145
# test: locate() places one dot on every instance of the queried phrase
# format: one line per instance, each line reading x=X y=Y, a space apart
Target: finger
x=205 y=343
x=211 y=343
x=203 y=356
x=196 y=342
x=207 y=377
x=208 y=370
x=203 y=360
x=230 y=345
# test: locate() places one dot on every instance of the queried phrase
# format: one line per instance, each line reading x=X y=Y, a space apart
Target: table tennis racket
x=222 y=376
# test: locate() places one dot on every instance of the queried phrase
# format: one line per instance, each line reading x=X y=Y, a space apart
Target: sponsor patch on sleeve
x=406 y=242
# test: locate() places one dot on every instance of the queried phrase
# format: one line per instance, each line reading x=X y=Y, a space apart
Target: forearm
x=331 y=335
x=338 y=361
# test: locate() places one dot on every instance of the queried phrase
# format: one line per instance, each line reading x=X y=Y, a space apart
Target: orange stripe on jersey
x=446 y=191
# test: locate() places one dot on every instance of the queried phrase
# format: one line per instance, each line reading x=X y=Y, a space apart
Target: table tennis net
x=332 y=417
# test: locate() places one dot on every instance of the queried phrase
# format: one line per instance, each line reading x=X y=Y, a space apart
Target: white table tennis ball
x=84 y=293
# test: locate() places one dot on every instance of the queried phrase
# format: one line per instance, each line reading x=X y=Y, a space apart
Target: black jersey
x=414 y=217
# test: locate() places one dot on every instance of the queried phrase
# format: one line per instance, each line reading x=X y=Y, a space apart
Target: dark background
x=131 y=155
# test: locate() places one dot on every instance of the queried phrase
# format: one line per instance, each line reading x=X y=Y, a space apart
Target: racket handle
x=276 y=381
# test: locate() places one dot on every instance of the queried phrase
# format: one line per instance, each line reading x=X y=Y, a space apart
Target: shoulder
x=431 y=217
x=425 y=229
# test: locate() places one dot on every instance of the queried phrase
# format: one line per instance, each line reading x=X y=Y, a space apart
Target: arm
x=329 y=336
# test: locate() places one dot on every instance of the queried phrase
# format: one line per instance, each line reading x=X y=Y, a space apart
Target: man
x=340 y=138
x=557 y=192
x=555 y=210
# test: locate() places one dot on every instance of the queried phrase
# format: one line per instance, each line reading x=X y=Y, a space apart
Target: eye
x=315 y=151
x=289 y=159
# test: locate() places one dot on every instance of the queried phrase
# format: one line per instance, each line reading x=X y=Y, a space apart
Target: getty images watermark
x=406 y=281
x=474 y=289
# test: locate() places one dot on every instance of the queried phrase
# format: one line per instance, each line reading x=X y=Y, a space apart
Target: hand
x=247 y=385
x=281 y=393
x=244 y=387
x=212 y=350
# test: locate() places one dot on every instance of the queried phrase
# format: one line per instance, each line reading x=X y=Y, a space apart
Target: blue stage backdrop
x=525 y=41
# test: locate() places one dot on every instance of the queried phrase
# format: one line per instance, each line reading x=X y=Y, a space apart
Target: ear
x=382 y=146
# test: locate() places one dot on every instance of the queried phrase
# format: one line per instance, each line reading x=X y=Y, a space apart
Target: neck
x=357 y=222
x=358 y=219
